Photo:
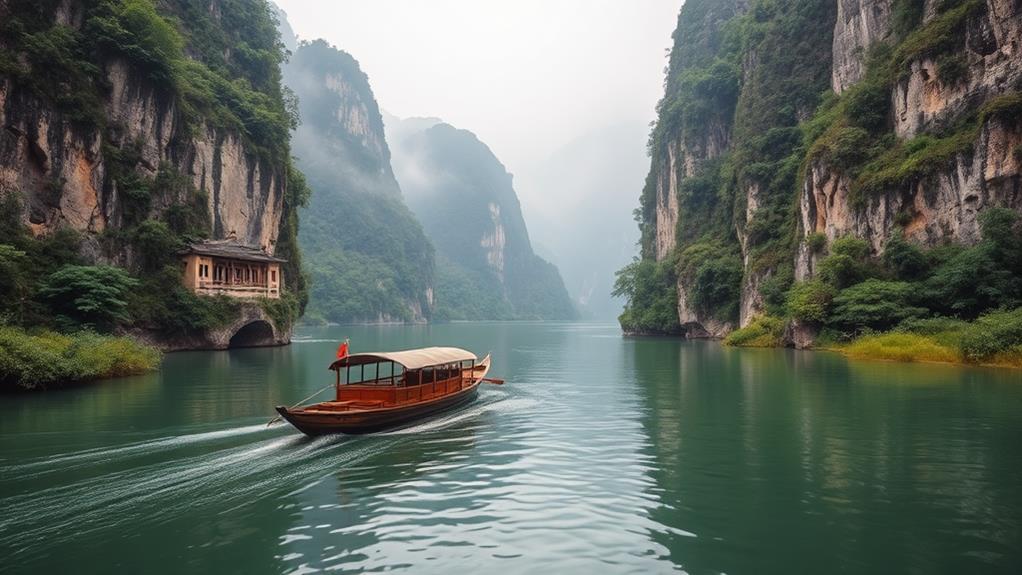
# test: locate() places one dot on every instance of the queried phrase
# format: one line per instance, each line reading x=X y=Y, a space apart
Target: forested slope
x=825 y=168
x=131 y=128
x=367 y=256
x=464 y=198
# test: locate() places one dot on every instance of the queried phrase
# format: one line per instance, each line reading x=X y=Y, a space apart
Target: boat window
x=379 y=373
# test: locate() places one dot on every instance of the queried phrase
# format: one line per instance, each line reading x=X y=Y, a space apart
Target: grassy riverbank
x=992 y=339
x=45 y=359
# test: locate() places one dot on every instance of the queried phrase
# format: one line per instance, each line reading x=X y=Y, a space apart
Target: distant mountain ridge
x=368 y=258
x=465 y=200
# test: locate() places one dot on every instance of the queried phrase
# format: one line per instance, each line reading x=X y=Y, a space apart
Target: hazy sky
x=561 y=90
x=527 y=76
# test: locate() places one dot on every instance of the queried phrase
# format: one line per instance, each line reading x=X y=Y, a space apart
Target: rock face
x=943 y=206
x=860 y=25
x=251 y=328
x=991 y=52
x=62 y=172
x=69 y=162
x=667 y=205
x=494 y=242
x=683 y=158
x=368 y=257
x=697 y=325
x=467 y=204
x=954 y=81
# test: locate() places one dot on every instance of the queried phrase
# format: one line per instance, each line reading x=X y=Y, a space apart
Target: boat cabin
x=394 y=378
x=229 y=268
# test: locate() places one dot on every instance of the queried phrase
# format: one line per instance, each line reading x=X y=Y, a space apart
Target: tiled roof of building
x=233 y=250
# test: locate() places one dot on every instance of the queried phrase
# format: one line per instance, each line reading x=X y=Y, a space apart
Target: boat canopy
x=410 y=359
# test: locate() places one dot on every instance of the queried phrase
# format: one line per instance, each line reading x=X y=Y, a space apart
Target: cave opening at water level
x=255 y=334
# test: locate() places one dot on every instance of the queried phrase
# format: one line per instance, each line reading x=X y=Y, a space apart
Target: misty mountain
x=589 y=186
x=464 y=198
x=287 y=33
x=367 y=257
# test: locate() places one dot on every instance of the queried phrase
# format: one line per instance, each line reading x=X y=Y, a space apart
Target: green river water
x=601 y=454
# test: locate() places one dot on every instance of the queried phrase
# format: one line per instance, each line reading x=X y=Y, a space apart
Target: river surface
x=601 y=454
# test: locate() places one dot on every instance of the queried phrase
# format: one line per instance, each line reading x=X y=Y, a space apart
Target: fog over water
x=562 y=91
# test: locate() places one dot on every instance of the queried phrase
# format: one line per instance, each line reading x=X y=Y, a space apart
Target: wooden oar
x=278 y=418
x=494 y=380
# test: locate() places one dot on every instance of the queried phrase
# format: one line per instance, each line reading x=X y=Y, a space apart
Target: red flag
x=342 y=350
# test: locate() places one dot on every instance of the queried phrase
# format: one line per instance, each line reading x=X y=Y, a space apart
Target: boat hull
x=369 y=421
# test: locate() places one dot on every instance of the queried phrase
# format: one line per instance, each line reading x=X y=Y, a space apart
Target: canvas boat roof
x=409 y=358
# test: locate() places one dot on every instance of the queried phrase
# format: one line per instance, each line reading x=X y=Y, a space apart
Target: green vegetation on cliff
x=468 y=207
x=749 y=117
x=222 y=67
x=368 y=258
x=738 y=85
x=206 y=68
x=949 y=303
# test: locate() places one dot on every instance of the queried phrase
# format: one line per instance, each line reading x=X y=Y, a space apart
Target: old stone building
x=229 y=268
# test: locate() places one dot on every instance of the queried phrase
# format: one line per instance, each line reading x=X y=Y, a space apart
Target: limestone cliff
x=753 y=173
x=368 y=257
x=63 y=173
x=465 y=200
x=943 y=203
x=117 y=117
x=860 y=25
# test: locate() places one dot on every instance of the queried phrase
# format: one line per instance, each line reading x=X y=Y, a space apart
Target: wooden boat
x=397 y=388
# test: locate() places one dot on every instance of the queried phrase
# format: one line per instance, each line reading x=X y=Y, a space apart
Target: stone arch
x=257 y=333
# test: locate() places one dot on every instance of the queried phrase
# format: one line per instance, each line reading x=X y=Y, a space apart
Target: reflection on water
x=858 y=466
x=601 y=454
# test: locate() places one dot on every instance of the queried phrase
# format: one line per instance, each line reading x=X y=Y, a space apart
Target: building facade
x=228 y=268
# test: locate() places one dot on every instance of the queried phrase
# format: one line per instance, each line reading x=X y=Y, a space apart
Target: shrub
x=762 y=331
x=162 y=303
x=992 y=334
x=1000 y=227
x=905 y=163
x=716 y=288
x=89 y=295
x=283 y=311
x=47 y=359
x=905 y=260
x=970 y=282
x=652 y=292
x=816 y=241
x=712 y=276
x=12 y=281
x=775 y=288
x=867 y=107
x=855 y=248
x=952 y=69
x=848 y=147
x=907 y=14
x=810 y=301
x=847 y=262
x=874 y=304
x=900 y=347
x=157 y=245
x=938 y=36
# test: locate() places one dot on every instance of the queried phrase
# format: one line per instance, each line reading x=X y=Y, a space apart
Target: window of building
x=273 y=275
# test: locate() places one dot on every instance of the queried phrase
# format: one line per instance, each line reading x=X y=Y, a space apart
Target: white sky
x=561 y=90
x=527 y=76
